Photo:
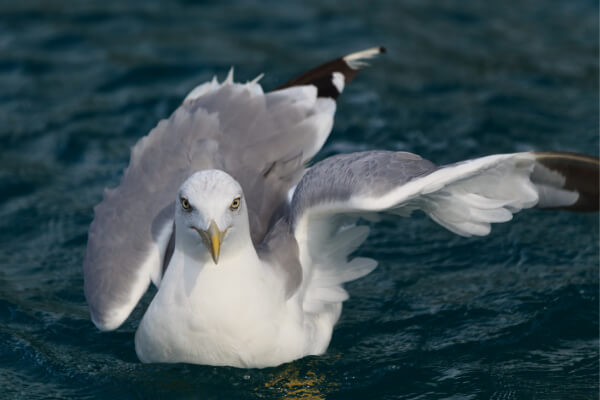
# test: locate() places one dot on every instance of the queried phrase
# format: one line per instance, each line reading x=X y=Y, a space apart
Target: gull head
x=210 y=215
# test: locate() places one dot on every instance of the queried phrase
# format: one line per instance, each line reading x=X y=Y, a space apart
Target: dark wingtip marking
x=581 y=173
x=322 y=76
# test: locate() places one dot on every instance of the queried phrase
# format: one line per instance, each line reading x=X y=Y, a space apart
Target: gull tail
x=330 y=78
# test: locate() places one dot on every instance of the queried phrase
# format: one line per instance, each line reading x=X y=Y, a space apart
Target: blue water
x=510 y=316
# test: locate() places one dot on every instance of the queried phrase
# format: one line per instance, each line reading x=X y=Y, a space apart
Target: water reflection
x=300 y=381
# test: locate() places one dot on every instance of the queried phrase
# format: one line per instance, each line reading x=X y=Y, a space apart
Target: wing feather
x=466 y=198
x=262 y=140
x=125 y=246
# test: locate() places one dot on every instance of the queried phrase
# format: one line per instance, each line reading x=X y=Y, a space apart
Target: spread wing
x=262 y=140
x=465 y=198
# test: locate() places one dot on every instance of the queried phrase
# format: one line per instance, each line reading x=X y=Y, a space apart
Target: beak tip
x=215 y=241
x=212 y=240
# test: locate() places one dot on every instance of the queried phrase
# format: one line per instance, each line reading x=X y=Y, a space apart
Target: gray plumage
x=335 y=179
x=280 y=249
x=369 y=173
x=263 y=144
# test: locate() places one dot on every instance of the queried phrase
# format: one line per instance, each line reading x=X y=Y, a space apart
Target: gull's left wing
x=465 y=198
x=261 y=139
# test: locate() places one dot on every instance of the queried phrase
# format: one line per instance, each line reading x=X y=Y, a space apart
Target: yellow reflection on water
x=299 y=382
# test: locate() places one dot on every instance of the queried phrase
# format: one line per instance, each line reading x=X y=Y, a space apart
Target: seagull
x=249 y=248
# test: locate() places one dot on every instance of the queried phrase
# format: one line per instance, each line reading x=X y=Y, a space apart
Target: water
x=510 y=316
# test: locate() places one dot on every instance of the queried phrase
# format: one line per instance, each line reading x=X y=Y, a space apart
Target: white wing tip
x=229 y=78
x=356 y=60
x=338 y=80
x=257 y=79
x=109 y=324
x=213 y=85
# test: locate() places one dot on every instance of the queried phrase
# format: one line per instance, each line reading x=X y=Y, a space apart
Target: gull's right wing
x=465 y=198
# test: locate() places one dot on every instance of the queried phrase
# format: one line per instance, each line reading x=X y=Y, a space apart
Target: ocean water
x=510 y=316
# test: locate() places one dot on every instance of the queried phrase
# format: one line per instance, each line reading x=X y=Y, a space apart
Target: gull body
x=249 y=249
x=231 y=312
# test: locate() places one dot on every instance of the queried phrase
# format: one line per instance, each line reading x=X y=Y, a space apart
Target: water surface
x=510 y=316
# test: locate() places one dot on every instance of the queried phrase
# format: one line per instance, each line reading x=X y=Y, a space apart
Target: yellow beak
x=212 y=238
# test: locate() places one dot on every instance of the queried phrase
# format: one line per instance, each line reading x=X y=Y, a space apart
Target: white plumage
x=249 y=249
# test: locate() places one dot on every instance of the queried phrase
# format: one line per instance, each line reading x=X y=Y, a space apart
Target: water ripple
x=514 y=315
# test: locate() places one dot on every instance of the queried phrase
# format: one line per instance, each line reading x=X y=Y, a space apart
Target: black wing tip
x=581 y=173
x=331 y=77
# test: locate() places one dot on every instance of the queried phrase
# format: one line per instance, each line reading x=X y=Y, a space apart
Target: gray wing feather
x=263 y=141
x=130 y=218
x=369 y=174
x=280 y=250
x=327 y=237
x=465 y=197
x=218 y=130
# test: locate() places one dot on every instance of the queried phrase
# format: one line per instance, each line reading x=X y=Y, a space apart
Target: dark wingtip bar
x=577 y=173
x=330 y=78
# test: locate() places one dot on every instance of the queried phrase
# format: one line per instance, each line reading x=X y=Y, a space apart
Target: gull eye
x=235 y=204
x=185 y=204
